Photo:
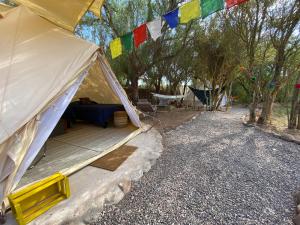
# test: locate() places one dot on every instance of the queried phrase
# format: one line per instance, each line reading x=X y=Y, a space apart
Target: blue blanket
x=98 y=114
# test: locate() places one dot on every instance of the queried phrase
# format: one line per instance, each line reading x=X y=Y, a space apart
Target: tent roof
x=37 y=61
x=4 y=7
x=64 y=13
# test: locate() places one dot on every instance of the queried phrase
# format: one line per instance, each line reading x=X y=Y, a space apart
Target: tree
x=282 y=24
x=295 y=108
x=248 y=23
x=218 y=56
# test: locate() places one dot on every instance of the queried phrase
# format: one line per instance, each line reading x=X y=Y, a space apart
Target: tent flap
x=4 y=7
x=64 y=13
x=96 y=7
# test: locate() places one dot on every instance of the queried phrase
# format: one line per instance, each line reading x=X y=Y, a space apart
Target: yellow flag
x=189 y=11
x=116 y=48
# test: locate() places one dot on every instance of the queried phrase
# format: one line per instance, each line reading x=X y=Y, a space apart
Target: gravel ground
x=214 y=171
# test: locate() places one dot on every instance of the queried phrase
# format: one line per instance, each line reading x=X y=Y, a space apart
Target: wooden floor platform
x=77 y=145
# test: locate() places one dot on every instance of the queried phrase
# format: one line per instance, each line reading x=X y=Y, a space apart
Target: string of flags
x=181 y=15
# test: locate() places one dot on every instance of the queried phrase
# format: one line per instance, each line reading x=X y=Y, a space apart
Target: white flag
x=154 y=28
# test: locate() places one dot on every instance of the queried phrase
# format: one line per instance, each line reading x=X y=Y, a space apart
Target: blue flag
x=172 y=18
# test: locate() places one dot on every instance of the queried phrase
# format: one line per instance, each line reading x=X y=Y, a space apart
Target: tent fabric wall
x=12 y=152
x=96 y=7
x=96 y=88
x=4 y=7
x=47 y=122
x=30 y=49
x=64 y=13
x=119 y=91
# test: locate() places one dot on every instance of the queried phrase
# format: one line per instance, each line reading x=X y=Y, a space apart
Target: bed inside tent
x=47 y=75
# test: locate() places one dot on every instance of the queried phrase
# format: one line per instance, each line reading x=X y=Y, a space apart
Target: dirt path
x=214 y=171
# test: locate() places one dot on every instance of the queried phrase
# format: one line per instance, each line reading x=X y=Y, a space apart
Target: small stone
x=298 y=209
x=296 y=220
x=297 y=198
x=125 y=186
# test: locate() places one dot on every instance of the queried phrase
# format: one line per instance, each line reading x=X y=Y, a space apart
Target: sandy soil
x=165 y=121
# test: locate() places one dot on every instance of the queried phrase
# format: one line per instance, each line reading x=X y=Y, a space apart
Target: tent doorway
x=86 y=129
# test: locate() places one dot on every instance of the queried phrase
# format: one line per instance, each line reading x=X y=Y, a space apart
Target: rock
x=296 y=220
x=297 y=198
x=2 y=219
x=298 y=209
x=125 y=186
x=288 y=137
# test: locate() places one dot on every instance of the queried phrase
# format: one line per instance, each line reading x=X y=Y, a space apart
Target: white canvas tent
x=42 y=67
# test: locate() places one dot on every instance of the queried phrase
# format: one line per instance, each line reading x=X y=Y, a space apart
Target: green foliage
x=211 y=51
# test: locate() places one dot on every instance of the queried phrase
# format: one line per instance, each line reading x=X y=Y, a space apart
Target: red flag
x=231 y=3
x=140 y=35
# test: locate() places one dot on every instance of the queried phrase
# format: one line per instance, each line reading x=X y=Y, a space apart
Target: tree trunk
x=158 y=84
x=265 y=117
x=252 y=109
x=266 y=114
x=157 y=87
x=229 y=98
x=135 y=89
x=298 y=126
x=294 y=110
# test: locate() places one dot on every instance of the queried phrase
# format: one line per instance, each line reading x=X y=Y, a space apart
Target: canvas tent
x=42 y=68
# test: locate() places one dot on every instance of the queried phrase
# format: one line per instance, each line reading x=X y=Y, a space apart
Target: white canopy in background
x=41 y=68
x=169 y=97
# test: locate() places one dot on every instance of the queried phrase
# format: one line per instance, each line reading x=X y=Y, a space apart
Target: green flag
x=210 y=6
x=127 y=41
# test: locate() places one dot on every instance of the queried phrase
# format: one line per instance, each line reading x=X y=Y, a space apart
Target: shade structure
x=42 y=67
x=66 y=13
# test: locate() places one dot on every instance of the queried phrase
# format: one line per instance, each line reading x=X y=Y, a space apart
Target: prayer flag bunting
x=189 y=11
x=231 y=3
x=210 y=6
x=154 y=28
x=115 y=48
x=172 y=18
x=140 y=35
x=127 y=41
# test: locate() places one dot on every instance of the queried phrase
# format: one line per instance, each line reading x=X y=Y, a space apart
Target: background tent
x=42 y=67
